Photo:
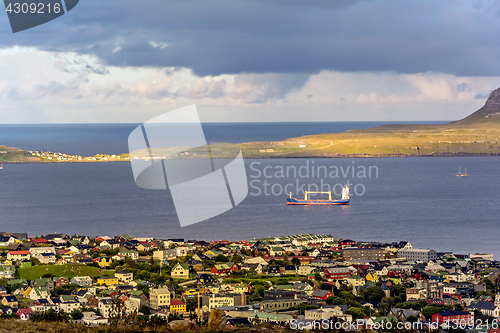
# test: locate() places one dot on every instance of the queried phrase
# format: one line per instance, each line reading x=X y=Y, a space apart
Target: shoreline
x=279 y=157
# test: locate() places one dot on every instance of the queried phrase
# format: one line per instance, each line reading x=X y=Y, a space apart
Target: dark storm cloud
x=280 y=36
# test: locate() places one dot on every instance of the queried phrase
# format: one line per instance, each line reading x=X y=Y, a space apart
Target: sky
x=253 y=60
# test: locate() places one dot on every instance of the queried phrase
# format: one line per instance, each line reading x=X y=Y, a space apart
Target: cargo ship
x=306 y=201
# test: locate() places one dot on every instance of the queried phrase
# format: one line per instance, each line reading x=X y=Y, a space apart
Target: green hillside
x=69 y=271
x=477 y=134
x=9 y=154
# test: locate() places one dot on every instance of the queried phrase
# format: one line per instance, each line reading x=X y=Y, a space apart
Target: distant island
x=16 y=155
x=476 y=135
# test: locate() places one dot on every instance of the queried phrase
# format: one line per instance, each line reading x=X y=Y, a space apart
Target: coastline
x=280 y=157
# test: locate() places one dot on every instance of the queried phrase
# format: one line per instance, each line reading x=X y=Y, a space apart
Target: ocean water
x=91 y=139
x=413 y=199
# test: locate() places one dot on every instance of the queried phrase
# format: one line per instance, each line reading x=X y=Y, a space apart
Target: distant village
x=60 y=157
x=290 y=281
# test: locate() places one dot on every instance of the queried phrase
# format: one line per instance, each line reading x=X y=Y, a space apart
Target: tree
x=373 y=294
x=356 y=312
x=221 y=258
x=76 y=314
x=347 y=295
x=334 y=300
x=192 y=304
x=145 y=310
x=237 y=258
x=429 y=310
x=296 y=261
x=383 y=308
x=144 y=288
x=257 y=293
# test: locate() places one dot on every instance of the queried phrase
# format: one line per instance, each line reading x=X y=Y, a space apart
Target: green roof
x=183 y=265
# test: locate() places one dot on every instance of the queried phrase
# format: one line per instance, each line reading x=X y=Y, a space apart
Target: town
x=296 y=282
x=48 y=156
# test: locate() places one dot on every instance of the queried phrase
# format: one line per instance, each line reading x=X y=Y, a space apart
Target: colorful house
x=180 y=271
x=372 y=276
x=177 y=306
x=107 y=280
x=223 y=269
x=452 y=317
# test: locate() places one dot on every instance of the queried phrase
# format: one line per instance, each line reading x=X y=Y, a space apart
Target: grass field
x=68 y=271
x=426 y=140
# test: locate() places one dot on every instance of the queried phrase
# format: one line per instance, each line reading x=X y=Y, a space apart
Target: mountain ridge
x=489 y=113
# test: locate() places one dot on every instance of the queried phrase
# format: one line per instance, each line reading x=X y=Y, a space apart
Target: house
x=132 y=305
x=205 y=278
x=43 y=282
x=326 y=312
x=404 y=314
x=159 y=298
x=35 y=250
x=82 y=280
x=23 y=291
x=53 y=237
x=39 y=293
x=90 y=318
x=46 y=258
x=10 y=300
x=69 y=306
x=145 y=247
x=273 y=270
x=355 y=281
x=103 y=261
x=62 y=261
x=18 y=255
x=6 y=311
x=134 y=255
x=177 y=306
x=14 y=247
x=111 y=243
x=372 y=276
x=304 y=270
x=337 y=273
x=211 y=301
x=105 y=306
x=321 y=294
x=107 y=280
x=24 y=313
x=124 y=276
x=487 y=308
x=288 y=269
x=7 y=272
x=82 y=258
x=452 y=317
x=417 y=255
x=223 y=269
x=302 y=287
x=180 y=271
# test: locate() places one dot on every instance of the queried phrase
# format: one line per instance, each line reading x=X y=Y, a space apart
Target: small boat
x=460 y=174
x=306 y=201
x=1 y=166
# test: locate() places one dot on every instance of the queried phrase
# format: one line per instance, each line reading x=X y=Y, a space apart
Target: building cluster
x=60 y=157
x=306 y=278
